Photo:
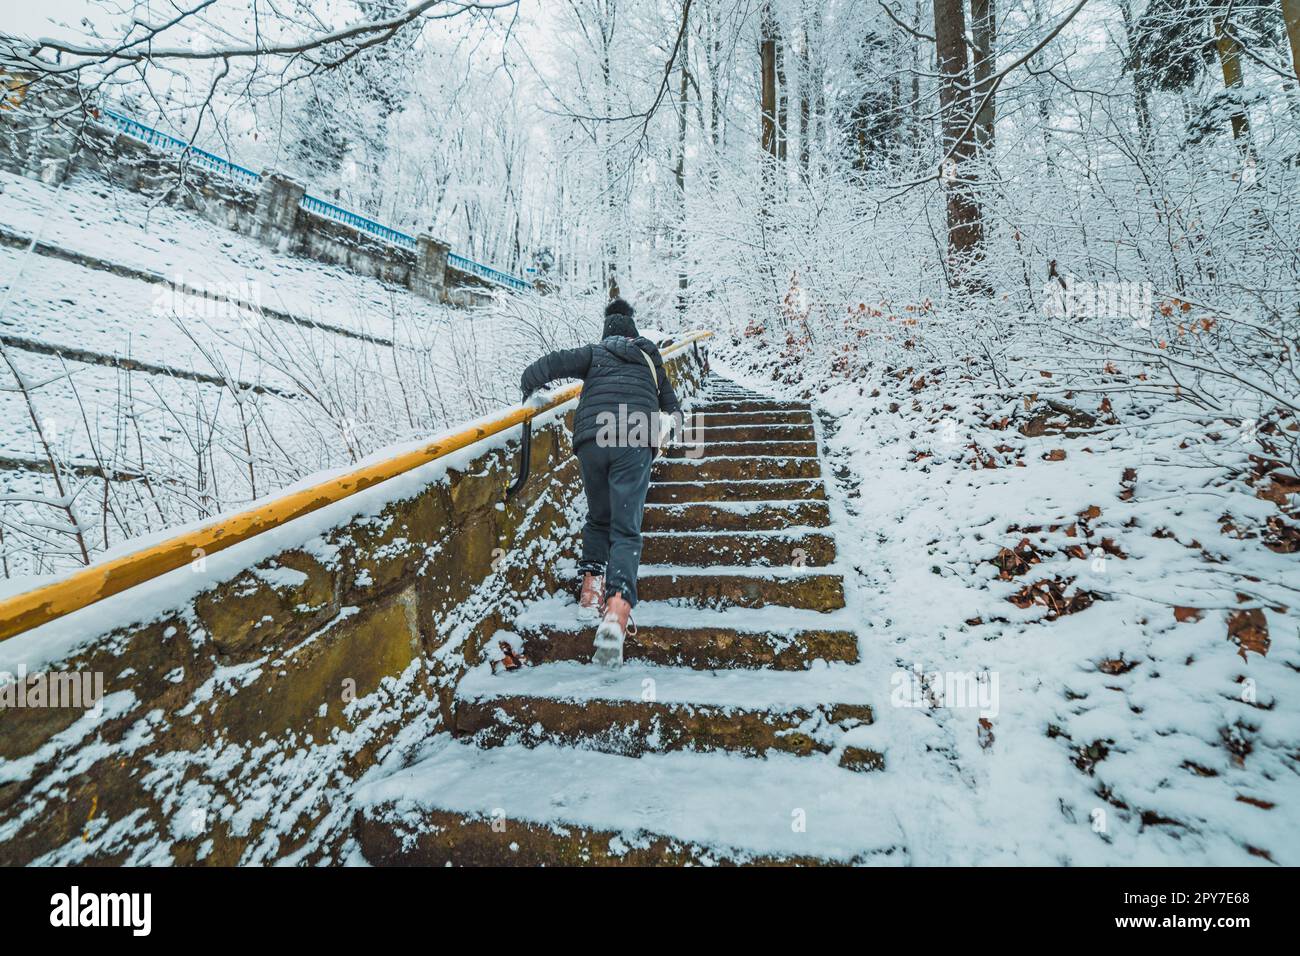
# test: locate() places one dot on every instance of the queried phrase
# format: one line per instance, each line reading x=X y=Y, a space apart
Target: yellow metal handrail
x=30 y=609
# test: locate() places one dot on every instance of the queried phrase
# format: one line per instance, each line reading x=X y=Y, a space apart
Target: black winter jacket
x=616 y=374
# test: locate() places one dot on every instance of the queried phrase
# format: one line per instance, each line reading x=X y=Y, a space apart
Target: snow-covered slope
x=153 y=343
x=1115 y=589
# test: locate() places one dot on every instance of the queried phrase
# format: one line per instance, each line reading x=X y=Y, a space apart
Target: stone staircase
x=739 y=711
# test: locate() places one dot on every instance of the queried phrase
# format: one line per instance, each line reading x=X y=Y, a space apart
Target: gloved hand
x=666 y=428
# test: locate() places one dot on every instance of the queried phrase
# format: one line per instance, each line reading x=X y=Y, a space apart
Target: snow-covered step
x=745 y=468
x=734 y=395
x=670 y=635
x=643 y=708
x=722 y=434
x=798 y=547
x=771 y=404
x=725 y=587
x=554 y=806
x=635 y=682
x=765 y=449
x=718 y=419
x=737 y=516
x=710 y=406
x=779 y=489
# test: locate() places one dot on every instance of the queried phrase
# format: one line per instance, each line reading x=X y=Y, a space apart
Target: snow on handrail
x=314 y=204
x=84 y=587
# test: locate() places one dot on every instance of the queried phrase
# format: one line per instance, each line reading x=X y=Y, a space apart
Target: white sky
x=44 y=19
x=63 y=18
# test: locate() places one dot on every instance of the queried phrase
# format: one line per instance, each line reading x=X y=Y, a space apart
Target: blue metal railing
x=314 y=204
x=485 y=272
x=356 y=221
x=170 y=144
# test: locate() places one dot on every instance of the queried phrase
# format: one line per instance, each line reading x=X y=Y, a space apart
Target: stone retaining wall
x=48 y=134
x=233 y=726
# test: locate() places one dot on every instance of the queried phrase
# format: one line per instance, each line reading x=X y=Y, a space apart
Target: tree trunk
x=770 y=135
x=610 y=266
x=715 y=66
x=984 y=27
x=1291 y=13
x=805 y=99
x=1230 y=60
x=896 y=110
x=965 y=218
x=681 y=172
x=782 y=101
x=914 y=114
x=1141 y=82
x=767 y=60
x=818 y=89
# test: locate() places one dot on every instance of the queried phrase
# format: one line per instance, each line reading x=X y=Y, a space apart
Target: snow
x=1132 y=731
x=782 y=573
x=98 y=220
x=211 y=446
x=1062 y=761
x=163 y=595
x=914 y=539
x=716 y=800
x=745 y=689
x=775 y=620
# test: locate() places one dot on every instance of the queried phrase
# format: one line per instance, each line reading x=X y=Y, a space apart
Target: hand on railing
x=539 y=399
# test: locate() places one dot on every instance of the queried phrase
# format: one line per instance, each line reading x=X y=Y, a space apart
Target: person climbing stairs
x=743 y=656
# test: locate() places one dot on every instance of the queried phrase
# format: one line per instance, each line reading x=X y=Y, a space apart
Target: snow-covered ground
x=1071 y=658
x=1137 y=729
x=1113 y=591
x=275 y=400
x=96 y=219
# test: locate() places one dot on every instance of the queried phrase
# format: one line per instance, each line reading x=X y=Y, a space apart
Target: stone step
x=728 y=587
x=714 y=419
x=699 y=648
x=757 y=516
x=753 y=548
x=672 y=636
x=781 y=489
x=632 y=728
x=751 y=433
x=575 y=705
x=513 y=806
x=441 y=838
x=762 y=449
x=734 y=469
x=731 y=406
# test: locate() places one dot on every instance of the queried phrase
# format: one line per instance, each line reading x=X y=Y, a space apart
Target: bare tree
x=965 y=217
x=984 y=25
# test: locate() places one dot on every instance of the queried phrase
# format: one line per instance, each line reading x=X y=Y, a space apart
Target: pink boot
x=613 y=629
x=590 y=602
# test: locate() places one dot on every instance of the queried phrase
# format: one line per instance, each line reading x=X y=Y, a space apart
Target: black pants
x=616 y=480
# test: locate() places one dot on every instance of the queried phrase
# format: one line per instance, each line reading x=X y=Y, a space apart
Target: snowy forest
x=849 y=185
x=1034 y=263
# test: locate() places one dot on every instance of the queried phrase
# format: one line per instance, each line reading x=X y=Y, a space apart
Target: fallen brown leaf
x=1249 y=629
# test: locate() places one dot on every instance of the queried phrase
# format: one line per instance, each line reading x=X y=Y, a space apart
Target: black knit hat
x=618 y=320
